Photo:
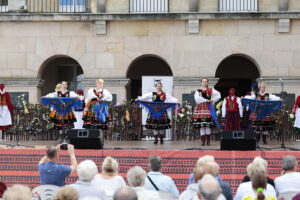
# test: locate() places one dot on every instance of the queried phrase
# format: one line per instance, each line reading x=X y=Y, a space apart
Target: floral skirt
x=58 y=121
x=160 y=123
x=91 y=119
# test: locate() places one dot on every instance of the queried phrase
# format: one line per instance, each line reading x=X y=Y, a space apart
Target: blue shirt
x=53 y=173
x=164 y=183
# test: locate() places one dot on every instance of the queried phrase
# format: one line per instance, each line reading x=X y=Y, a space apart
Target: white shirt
x=246 y=190
x=106 y=95
x=54 y=94
x=164 y=183
x=148 y=97
x=238 y=100
x=110 y=186
x=215 y=96
x=144 y=194
x=289 y=182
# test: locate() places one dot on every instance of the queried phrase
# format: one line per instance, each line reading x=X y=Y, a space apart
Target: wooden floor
x=148 y=145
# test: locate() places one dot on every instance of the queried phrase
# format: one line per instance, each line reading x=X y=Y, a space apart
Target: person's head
x=80 y=92
x=125 y=193
x=262 y=87
x=205 y=159
x=136 y=176
x=3 y=187
x=231 y=92
x=158 y=86
x=254 y=168
x=99 y=83
x=261 y=163
x=17 y=192
x=214 y=167
x=209 y=188
x=66 y=193
x=289 y=163
x=200 y=171
x=2 y=86
x=87 y=170
x=204 y=82
x=259 y=183
x=64 y=85
x=52 y=153
x=110 y=166
x=58 y=87
x=155 y=163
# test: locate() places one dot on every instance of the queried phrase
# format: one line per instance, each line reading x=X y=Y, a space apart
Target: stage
x=19 y=164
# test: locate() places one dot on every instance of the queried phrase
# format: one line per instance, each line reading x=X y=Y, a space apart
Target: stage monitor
x=238 y=140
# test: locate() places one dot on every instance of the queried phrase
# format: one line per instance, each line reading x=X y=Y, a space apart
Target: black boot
x=203 y=140
x=155 y=139
x=257 y=137
x=161 y=138
x=264 y=139
x=208 y=139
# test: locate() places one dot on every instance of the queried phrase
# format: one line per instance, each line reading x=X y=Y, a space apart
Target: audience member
x=17 y=192
x=67 y=193
x=202 y=160
x=109 y=180
x=125 y=193
x=51 y=172
x=86 y=172
x=209 y=188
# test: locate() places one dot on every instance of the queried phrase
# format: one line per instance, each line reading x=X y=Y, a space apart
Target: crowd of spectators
x=205 y=183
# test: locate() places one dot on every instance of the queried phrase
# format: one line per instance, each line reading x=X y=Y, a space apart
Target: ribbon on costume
x=156 y=109
x=262 y=108
x=213 y=114
x=101 y=110
x=62 y=105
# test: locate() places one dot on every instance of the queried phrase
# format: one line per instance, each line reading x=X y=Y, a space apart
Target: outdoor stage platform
x=19 y=164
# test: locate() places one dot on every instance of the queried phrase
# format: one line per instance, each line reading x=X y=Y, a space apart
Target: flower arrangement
x=184 y=114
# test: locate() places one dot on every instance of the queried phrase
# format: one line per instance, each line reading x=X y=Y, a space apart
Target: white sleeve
x=170 y=99
x=73 y=94
x=146 y=97
x=224 y=108
x=90 y=95
x=252 y=96
x=216 y=96
x=106 y=95
x=240 y=106
x=274 y=97
x=51 y=95
x=198 y=99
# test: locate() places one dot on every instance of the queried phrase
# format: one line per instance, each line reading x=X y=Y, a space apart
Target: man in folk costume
x=204 y=98
x=267 y=124
x=296 y=111
x=6 y=109
x=232 y=111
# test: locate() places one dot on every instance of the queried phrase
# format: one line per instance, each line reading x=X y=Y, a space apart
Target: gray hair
x=125 y=193
x=209 y=187
x=87 y=170
x=288 y=162
x=136 y=176
x=20 y=192
x=155 y=163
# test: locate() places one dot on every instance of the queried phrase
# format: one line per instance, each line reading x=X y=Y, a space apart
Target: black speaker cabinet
x=238 y=140
x=86 y=138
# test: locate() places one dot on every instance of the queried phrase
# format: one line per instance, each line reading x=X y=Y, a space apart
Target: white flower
x=291 y=116
x=181 y=115
x=188 y=113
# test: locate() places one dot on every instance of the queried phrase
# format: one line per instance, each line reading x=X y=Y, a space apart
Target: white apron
x=5 y=116
x=297 y=120
x=79 y=122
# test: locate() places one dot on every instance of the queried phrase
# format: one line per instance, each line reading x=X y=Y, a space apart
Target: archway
x=238 y=71
x=60 y=68
x=146 y=65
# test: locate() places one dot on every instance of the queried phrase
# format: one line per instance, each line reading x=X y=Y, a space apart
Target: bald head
x=209 y=188
x=125 y=193
x=214 y=167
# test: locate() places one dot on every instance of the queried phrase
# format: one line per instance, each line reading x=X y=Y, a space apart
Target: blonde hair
x=256 y=167
x=58 y=87
x=17 y=192
x=100 y=80
x=110 y=165
x=67 y=193
x=205 y=159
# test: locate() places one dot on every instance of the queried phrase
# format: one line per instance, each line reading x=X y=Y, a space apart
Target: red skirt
x=232 y=121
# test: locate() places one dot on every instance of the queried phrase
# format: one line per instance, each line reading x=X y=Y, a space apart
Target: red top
x=231 y=104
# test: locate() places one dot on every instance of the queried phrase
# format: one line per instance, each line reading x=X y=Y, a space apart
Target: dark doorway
x=57 y=69
x=236 y=71
x=146 y=65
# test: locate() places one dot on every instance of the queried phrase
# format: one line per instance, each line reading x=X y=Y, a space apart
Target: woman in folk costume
x=202 y=115
x=232 y=111
x=69 y=118
x=79 y=111
x=267 y=123
x=158 y=125
x=296 y=111
x=6 y=109
x=94 y=107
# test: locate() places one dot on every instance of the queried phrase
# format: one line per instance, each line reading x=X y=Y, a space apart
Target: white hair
x=136 y=176
x=87 y=170
x=110 y=165
x=258 y=165
x=209 y=187
x=17 y=192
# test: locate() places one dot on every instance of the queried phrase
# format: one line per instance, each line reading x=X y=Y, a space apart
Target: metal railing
x=238 y=5
x=149 y=6
x=61 y=6
x=3 y=5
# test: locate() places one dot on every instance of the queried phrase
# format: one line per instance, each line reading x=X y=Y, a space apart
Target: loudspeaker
x=86 y=138
x=238 y=140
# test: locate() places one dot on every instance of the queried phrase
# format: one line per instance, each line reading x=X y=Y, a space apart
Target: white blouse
x=148 y=97
x=106 y=95
x=238 y=100
x=216 y=96
x=54 y=94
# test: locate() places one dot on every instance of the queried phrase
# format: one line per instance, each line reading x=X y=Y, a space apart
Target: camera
x=64 y=146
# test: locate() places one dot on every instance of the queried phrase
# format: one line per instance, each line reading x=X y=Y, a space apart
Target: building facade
x=231 y=42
